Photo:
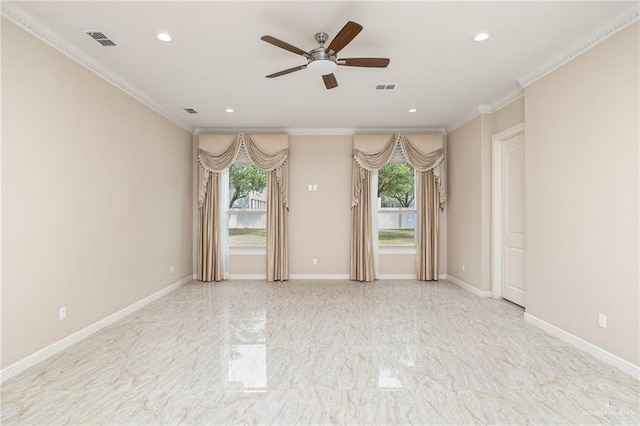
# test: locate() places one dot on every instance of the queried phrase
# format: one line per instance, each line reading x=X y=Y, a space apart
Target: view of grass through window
x=396 y=205
x=247 y=206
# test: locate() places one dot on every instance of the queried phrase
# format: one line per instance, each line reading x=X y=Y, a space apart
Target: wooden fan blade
x=284 y=45
x=287 y=71
x=364 y=62
x=344 y=37
x=330 y=81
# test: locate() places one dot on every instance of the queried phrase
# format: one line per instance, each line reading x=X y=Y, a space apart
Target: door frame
x=496 y=206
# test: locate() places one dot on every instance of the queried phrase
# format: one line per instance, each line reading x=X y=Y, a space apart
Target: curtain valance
x=423 y=162
x=219 y=162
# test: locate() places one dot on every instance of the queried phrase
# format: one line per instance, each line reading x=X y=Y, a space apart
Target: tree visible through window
x=247 y=206
x=396 y=205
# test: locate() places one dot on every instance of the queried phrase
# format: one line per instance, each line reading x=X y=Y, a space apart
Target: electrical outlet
x=602 y=320
x=63 y=313
x=310 y=187
x=314 y=262
x=315 y=187
x=464 y=267
x=172 y=269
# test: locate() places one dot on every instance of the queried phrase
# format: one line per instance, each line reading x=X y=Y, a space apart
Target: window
x=396 y=205
x=247 y=206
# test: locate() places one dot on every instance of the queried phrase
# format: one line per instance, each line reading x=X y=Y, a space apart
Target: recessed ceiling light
x=229 y=110
x=413 y=110
x=162 y=36
x=481 y=36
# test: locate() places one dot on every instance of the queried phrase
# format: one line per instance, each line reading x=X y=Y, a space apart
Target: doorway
x=508 y=216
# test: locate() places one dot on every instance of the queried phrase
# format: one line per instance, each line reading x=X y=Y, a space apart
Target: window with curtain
x=371 y=153
x=216 y=154
x=247 y=209
x=396 y=205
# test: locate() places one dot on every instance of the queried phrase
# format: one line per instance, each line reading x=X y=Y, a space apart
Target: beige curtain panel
x=212 y=250
x=362 y=262
x=210 y=266
x=362 y=202
x=430 y=198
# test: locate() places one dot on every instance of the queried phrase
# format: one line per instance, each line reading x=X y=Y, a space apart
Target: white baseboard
x=397 y=276
x=60 y=345
x=469 y=287
x=405 y=277
x=324 y=276
x=247 y=276
x=319 y=276
x=590 y=348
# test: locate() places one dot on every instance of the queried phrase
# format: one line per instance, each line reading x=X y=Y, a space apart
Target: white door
x=512 y=232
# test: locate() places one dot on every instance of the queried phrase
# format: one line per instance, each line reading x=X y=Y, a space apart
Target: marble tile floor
x=322 y=352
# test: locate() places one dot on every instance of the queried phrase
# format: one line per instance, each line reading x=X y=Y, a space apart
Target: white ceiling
x=217 y=59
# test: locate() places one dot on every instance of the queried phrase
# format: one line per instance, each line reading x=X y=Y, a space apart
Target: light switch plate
x=602 y=320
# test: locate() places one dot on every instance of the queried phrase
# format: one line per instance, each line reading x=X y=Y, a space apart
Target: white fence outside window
x=396 y=218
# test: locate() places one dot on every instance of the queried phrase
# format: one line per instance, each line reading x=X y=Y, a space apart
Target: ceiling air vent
x=100 y=38
x=386 y=86
x=191 y=110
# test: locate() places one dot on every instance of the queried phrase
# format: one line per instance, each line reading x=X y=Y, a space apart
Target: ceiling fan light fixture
x=322 y=66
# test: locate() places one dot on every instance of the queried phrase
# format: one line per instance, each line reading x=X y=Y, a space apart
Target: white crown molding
x=484 y=109
x=507 y=99
x=585 y=346
x=29 y=23
x=60 y=345
x=203 y=130
x=329 y=131
x=462 y=120
x=618 y=23
x=321 y=131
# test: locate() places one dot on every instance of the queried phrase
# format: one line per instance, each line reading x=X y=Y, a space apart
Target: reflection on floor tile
x=322 y=352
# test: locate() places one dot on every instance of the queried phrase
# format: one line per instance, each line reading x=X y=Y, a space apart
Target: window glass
x=396 y=205
x=247 y=206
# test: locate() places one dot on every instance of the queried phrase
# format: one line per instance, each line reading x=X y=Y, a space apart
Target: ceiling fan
x=323 y=60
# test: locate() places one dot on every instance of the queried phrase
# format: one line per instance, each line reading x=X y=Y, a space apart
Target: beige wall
x=581 y=189
x=96 y=197
x=464 y=203
x=320 y=221
x=508 y=116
